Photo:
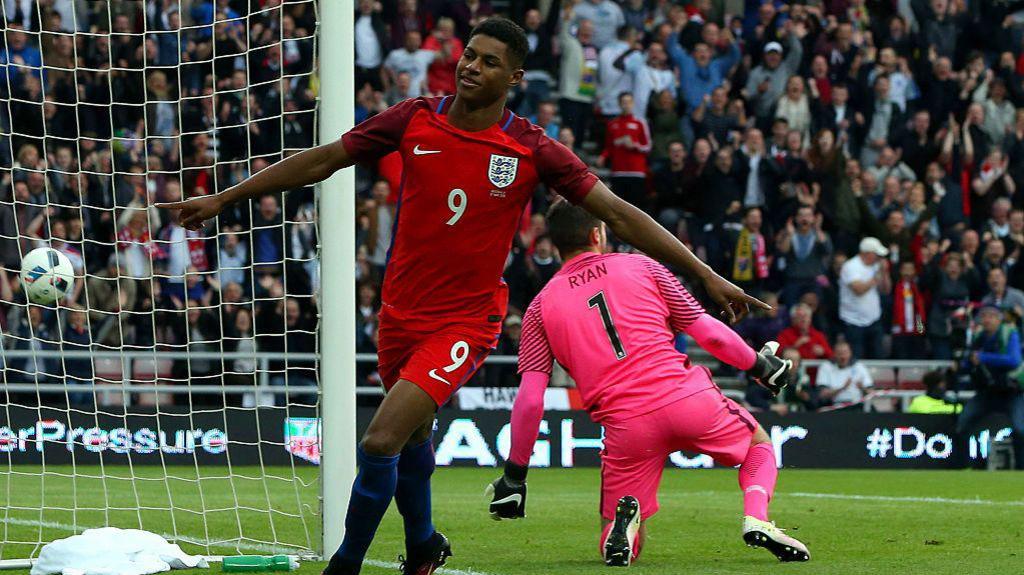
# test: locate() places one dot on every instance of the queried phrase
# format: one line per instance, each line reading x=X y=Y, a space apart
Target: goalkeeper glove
x=508 y=493
x=770 y=371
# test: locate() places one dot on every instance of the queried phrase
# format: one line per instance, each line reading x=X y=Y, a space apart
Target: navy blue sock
x=412 y=496
x=371 y=494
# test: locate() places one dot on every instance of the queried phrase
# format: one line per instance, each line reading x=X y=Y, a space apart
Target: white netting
x=141 y=400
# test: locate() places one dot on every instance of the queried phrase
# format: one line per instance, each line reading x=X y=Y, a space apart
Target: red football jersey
x=459 y=204
x=628 y=160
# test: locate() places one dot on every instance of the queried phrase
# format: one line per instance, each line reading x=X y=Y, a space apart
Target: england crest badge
x=502 y=171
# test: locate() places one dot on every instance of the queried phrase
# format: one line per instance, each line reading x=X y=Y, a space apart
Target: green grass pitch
x=854 y=522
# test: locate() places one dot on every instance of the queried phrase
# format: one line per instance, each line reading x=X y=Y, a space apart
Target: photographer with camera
x=992 y=362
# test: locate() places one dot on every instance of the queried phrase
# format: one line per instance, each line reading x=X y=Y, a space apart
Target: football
x=46 y=274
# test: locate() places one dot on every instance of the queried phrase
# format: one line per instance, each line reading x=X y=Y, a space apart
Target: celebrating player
x=469 y=168
x=611 y=320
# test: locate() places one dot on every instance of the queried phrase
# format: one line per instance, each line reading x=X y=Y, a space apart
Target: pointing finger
x=749 y=299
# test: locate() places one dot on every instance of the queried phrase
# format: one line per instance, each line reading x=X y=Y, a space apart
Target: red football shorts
x=438 y=361
x=635 y=449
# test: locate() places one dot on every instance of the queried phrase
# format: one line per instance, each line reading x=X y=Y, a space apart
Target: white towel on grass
x=113 y=551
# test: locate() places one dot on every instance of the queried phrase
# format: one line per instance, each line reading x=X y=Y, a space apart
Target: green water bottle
x=253 y=563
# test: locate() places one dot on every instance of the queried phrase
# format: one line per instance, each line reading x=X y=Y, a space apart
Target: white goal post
x=196 y=385
x=337 y=204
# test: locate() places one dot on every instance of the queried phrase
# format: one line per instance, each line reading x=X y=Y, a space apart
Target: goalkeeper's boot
x=757 y=533
x=618 y=545
x=771 y=371
x=426 y=557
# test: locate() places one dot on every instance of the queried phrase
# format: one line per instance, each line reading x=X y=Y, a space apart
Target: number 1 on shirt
x=601 y=304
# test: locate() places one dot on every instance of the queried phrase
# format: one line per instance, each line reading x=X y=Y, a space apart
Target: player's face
x=485 y=72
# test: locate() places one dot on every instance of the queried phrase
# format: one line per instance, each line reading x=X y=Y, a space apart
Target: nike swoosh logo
x=433 y=374
x=514 y=498
x=417 y=151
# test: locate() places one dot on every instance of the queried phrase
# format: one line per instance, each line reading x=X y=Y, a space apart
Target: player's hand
x=735 y=303
x=770 y=371
x=195 y=211
x=507 y=498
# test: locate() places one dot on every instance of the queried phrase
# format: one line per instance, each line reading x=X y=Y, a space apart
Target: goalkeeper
x=610 y=320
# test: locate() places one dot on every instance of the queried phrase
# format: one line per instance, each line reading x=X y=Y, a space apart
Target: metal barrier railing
x=131 y=384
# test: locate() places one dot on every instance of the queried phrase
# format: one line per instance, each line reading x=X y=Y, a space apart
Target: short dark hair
x=507 y=32
x=569 y=226
x=933 y=378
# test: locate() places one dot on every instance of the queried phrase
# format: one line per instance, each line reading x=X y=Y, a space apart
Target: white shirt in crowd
x=178 y=257
x=753 y=196
x=832 y=376
x=367 y=47
x=606 y=16
x=646 y=81
x=858 y=310
x=385 y=221
x=415 y=63
x=613 y=81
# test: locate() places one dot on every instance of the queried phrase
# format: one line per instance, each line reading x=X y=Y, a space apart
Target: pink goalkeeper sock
x=757 y=480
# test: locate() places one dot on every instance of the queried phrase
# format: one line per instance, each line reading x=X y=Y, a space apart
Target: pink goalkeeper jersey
x=610 y=320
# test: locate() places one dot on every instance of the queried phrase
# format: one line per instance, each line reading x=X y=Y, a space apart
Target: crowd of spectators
x=111 y=107
x=855 y=162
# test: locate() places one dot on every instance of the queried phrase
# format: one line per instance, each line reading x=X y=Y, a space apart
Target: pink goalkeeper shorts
x=635 y=449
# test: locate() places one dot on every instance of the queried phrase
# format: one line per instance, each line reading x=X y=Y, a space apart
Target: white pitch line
x=893 y=498
x=441 y=571
x=264 y=547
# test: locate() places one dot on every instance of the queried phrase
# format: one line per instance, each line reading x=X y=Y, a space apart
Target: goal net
x=175 y=388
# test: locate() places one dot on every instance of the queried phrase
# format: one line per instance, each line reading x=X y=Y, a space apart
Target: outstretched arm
x=305 y=168
x=722 y=342
x=685 y=315
x=636 y=228
x=370 y=140
x=681 y=58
